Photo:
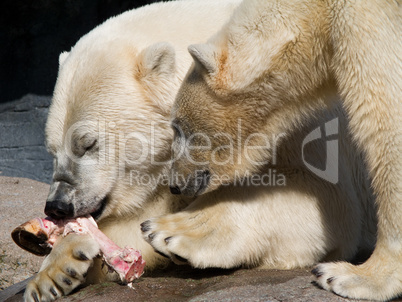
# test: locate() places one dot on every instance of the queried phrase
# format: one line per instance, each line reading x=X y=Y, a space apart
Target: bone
x=39 y=235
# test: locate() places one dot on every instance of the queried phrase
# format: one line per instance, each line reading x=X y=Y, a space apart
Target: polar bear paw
x=366 y=281
x=184 y=238
x=166 y=239
x=64 y=269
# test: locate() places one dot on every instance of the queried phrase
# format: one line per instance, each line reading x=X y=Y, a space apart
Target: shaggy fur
x=273 y=66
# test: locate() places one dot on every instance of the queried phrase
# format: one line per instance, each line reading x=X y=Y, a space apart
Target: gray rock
x=211 y=285
x=22 y=138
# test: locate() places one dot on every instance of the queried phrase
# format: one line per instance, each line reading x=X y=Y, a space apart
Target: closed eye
x=175 y=124
x=91 y=145
x=85 y=144
x=177 y=132
x=177 y=129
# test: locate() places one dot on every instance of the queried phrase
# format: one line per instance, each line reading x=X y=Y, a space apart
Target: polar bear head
x=108 y=118
x=250 y=84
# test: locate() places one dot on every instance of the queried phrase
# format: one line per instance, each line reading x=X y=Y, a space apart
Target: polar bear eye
x=178 y=131
x=91 y=145
x=85 y=144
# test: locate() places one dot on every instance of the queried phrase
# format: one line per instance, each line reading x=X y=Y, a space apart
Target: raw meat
x=39 y=234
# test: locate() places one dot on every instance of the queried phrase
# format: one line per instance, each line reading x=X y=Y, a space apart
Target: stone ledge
x=22 y=138
x=178 y=283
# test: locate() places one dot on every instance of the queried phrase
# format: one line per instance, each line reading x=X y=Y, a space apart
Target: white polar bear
x=274 y=65
x=109 y=132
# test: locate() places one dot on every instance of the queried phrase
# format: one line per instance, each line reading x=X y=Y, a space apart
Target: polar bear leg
x=252 y=227
x=200 y=238
x=368 y=65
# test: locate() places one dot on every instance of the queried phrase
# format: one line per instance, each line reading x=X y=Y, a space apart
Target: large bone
x=38 y=236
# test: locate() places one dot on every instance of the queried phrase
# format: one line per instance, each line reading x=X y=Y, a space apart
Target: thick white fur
x=285 y=58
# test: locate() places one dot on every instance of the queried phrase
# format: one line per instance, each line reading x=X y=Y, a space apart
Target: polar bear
x=272 y=66
x=109 y=133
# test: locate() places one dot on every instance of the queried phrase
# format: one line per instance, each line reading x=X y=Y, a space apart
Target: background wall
x=32 y=35
x=34 y=32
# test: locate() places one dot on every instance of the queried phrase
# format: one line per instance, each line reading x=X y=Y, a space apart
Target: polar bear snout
x=70 y=201
x=58 y=203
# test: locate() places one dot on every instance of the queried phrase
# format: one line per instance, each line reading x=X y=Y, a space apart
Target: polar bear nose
x=59 y=201
x=175 y=190
x=58 y=209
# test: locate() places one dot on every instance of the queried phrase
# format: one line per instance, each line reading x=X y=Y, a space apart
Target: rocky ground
x=178 y=284
x=20 y=200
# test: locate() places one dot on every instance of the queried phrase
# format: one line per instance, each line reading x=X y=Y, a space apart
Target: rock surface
x=185 y=284
x=22 y=138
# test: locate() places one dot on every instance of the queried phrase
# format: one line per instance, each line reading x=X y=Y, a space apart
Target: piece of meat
x=39 y=234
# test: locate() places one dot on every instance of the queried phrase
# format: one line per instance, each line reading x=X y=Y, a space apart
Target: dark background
x=34 y=32
x=32 y=35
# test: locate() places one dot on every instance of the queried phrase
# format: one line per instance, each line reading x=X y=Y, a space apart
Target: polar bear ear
x=63 y=56
x=204 y=55
x=156 y=69
x=158 y=58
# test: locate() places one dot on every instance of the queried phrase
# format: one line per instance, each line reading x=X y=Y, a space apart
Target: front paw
x=189 y=238
x=162 y=240
x=64 y=269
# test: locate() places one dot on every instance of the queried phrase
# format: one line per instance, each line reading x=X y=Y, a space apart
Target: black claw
x=71 y=272
x=181 y=259
x=35 y=297
x=167 y=239
x=329 y=280
x=82 y=256
x=67 y=281
x=151 y=237
x=53 y=291
x=316 y=272
x=145 y=226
